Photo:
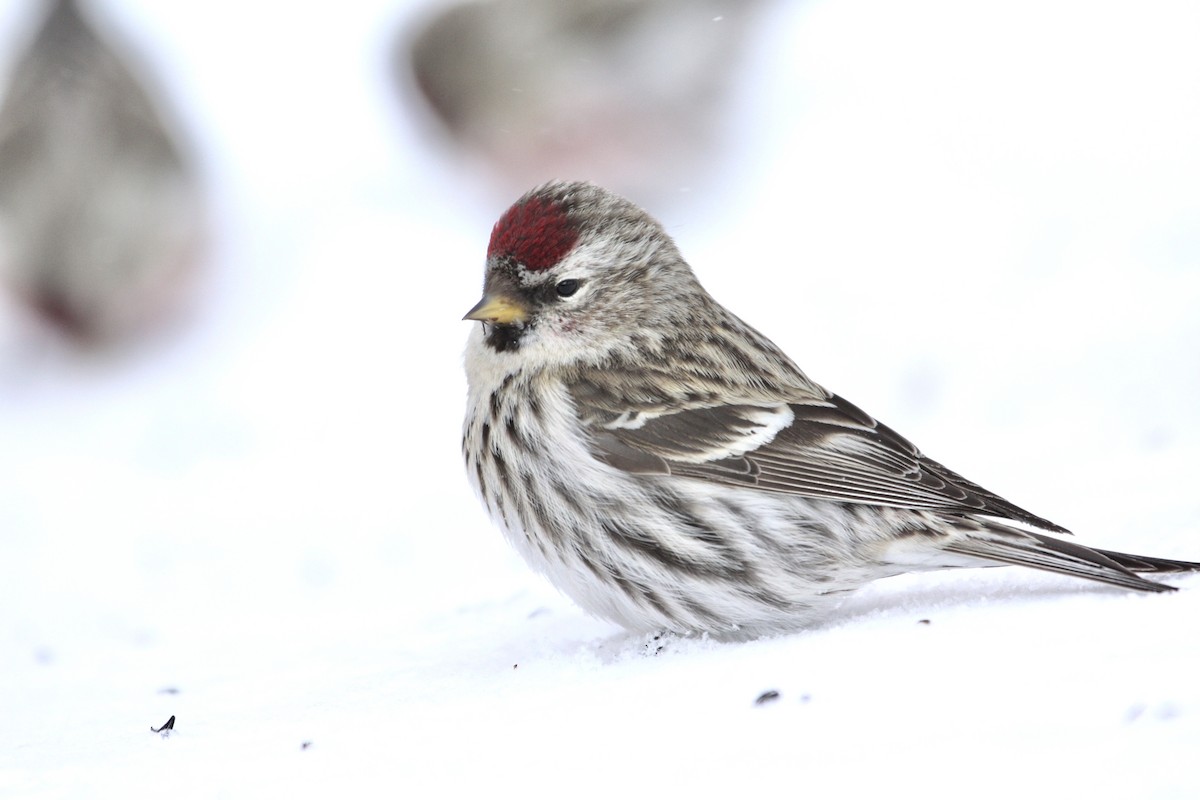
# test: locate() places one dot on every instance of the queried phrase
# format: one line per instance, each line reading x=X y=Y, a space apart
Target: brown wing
x=827 y=450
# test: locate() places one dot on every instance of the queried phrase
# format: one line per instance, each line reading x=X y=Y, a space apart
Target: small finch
x=669 y=468
x=101 y=218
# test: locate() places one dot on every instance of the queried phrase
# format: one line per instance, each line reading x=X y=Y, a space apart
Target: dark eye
x=567 y=288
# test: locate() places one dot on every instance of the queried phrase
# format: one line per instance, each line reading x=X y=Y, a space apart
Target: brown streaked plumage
x=668 y=467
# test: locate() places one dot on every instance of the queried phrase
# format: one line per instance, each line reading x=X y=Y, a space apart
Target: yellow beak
x=498 y=310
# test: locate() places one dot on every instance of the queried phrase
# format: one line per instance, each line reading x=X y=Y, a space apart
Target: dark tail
x=1149 y=563
x=1000 y=543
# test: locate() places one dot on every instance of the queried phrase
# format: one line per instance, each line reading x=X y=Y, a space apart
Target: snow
x=979 y=222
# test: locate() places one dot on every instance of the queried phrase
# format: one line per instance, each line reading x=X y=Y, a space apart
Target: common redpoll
x=669 y=468
x=627 y=88
x=100 y=218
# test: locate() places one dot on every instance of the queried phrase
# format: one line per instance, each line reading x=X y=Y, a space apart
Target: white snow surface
x=980 y=222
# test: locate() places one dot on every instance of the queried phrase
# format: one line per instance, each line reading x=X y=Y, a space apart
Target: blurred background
x=237 y=241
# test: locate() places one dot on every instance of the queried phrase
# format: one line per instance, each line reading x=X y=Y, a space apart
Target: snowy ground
x=981 y=225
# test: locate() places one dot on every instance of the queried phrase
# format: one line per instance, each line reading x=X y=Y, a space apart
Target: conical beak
x=498 y=310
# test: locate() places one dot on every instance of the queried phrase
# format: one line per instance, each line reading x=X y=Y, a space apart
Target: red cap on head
x=536 y=232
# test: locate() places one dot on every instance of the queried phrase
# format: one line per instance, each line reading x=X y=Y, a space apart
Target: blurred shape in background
x=100 y=218
x=627 y=93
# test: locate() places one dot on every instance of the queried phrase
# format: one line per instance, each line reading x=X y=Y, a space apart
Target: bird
x=669 y=468
x=635 y=91
x=101 y=214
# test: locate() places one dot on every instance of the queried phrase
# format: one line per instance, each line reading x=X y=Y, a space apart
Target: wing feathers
x=824 y=449
x=705 y=434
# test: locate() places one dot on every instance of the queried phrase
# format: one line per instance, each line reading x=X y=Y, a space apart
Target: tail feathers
x=1000 y=543
x=1149 y=563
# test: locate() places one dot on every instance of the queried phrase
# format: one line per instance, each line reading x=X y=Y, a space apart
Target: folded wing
x=819 y=448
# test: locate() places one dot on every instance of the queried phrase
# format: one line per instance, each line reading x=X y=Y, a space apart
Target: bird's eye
x=567 y=288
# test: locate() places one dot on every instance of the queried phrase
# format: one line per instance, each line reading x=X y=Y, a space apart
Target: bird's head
x=575 y=272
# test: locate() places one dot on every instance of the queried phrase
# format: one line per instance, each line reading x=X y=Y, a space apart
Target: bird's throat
x=504 y=338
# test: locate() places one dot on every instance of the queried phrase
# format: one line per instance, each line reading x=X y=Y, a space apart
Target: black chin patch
x=504 y=338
